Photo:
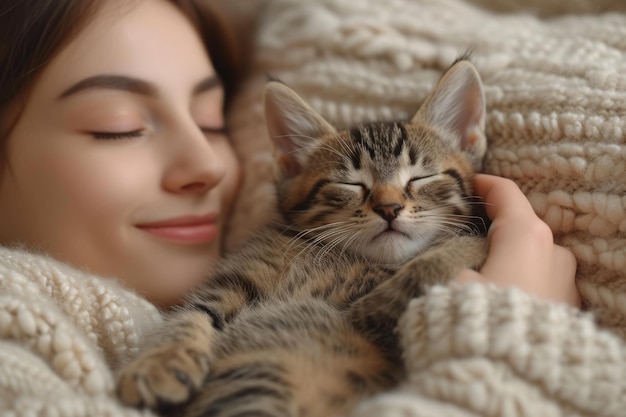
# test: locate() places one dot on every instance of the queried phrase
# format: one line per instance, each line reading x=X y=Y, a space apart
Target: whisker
x=346 y=234
x=355 y=236
x=453 y=222
x=325 y=238
x=335 y=245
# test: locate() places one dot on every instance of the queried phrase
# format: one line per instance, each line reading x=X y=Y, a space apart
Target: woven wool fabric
x=556 y=90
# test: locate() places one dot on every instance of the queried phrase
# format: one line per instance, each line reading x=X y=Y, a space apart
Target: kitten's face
x=384 y=190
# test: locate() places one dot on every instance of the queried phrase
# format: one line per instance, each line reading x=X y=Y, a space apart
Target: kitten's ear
x=293 y=126
x=457 y=104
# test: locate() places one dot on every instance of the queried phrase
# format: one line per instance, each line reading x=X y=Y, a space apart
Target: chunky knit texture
x=61 y=333
x=556 y=99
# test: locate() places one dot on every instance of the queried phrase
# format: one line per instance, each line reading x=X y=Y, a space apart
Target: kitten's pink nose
x=388 y=211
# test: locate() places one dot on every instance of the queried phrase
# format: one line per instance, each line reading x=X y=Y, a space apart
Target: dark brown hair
x=34 y=31
x=227 y=46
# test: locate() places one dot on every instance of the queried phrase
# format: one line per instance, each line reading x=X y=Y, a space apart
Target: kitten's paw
x=164 y=376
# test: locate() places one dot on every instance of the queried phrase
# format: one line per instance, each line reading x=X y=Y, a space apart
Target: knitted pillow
x=556 y=105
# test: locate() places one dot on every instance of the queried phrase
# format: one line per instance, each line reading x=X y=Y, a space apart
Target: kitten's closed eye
x=356 y=187
x=422 y=178
x=341 y=195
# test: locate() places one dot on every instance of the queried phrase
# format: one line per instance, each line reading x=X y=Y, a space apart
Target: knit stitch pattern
x=62 y=332
x=556 y=100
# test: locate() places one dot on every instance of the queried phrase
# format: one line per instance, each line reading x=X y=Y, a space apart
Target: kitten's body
x=301 y=321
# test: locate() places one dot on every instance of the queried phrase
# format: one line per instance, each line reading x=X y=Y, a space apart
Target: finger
x=519 y=248
x=502 y=197
x=564 y=269
x=515 y=227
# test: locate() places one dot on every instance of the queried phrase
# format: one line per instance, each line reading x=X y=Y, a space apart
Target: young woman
x=115 y=161
x=115 y=155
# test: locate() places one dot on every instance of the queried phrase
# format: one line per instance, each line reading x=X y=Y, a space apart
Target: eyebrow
x=130 y=84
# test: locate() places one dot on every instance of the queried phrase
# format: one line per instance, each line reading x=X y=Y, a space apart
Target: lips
x=191 y=230
x=390 y=232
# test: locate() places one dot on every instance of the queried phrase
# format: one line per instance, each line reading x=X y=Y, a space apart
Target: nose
x=193 y=162
x=388 y=211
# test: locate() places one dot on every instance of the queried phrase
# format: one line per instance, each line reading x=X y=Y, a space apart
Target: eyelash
x=117 y=135
x=139 y=132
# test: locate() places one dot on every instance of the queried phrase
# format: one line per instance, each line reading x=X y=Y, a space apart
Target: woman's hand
x=522 y=252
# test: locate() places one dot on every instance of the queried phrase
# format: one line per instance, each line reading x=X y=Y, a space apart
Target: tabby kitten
x=301 y=321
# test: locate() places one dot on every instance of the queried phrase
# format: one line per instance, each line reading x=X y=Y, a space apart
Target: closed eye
x=356 y=187
x=139 y=132
x=418 y=181
x=117 y=135
x=421 y=178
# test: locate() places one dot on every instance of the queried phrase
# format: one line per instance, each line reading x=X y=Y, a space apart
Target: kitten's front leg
x=444 y=262
x=377 y=313
x=170 y=371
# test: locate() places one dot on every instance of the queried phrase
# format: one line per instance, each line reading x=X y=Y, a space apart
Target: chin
x=393 y=249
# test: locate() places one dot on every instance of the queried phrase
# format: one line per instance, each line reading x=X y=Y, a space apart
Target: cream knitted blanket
x=556 y=95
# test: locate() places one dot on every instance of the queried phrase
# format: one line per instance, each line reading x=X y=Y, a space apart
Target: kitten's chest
x=339 y=279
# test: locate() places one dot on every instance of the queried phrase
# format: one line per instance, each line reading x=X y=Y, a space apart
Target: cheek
x=96 y=187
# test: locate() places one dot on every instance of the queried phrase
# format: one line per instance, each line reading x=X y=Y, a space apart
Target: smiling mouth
x=190 y=230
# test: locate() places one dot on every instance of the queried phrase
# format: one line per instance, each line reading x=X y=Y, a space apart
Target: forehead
x=380 y=141
x=387 y=146
x=148 y=39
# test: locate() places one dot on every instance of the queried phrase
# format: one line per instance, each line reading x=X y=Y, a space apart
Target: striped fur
x=301 y=321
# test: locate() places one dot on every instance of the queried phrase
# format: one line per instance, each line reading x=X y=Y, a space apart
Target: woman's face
x=119 y=163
